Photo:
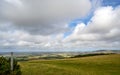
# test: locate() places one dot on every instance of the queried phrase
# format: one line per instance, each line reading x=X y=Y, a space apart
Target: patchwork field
x=94 y=65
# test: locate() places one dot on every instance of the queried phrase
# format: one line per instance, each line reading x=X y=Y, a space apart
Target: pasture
x=94 y=65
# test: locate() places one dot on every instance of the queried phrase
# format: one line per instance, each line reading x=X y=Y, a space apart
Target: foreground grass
x=95 y=65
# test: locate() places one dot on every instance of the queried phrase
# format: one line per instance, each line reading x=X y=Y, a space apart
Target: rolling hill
x=95 y=65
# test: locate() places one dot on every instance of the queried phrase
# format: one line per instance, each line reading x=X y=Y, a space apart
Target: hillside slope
x=95 y=65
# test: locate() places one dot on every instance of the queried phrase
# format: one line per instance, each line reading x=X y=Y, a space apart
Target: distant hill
x=107 y=51
x=56 y=55
x=96 y=53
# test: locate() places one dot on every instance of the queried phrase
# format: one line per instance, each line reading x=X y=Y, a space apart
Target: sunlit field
x=94 y=65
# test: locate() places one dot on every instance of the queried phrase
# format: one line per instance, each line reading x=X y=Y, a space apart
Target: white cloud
x=40 y=25
x=43 y=17
x=79 y=28
x=102 y=31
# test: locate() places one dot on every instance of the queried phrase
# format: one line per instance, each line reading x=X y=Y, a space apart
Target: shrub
x=5 y=67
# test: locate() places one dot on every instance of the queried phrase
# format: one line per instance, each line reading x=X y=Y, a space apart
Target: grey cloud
x=43 y=16
x=20 y=20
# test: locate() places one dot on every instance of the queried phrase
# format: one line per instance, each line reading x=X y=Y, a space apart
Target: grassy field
x=94 y=65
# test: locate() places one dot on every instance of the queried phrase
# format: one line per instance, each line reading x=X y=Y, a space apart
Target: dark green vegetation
x=95 y=65
x=5 y=67
x=93 y=54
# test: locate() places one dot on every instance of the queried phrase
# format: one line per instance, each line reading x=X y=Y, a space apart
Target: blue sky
x=112 y=3
x=59 y=25
x=89 y=15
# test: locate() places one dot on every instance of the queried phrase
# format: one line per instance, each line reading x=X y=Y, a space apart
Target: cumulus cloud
x=41 y=25
x=43 y=16
x=22 y=40
x=101 y=31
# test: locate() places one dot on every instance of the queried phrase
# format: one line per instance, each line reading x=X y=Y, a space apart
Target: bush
x=5 y=67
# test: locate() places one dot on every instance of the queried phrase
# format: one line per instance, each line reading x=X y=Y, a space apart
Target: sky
x=59 y=25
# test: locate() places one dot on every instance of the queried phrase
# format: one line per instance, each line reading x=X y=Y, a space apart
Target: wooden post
x=11 y=61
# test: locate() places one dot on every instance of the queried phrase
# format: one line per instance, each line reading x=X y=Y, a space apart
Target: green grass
x=95 y=65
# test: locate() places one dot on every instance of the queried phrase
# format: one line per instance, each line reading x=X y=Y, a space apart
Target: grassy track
x=95 y=65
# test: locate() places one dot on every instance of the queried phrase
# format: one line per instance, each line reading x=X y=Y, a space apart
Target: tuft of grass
x=95 y=65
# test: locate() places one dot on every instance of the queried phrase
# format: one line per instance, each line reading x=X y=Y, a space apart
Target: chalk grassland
x=94 y=65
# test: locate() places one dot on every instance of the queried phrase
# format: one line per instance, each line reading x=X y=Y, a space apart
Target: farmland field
x=94 y=65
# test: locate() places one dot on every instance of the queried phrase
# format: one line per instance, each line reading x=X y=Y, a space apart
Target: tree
x=5 y=67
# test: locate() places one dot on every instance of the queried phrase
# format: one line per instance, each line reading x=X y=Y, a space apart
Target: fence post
x=11 y=61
